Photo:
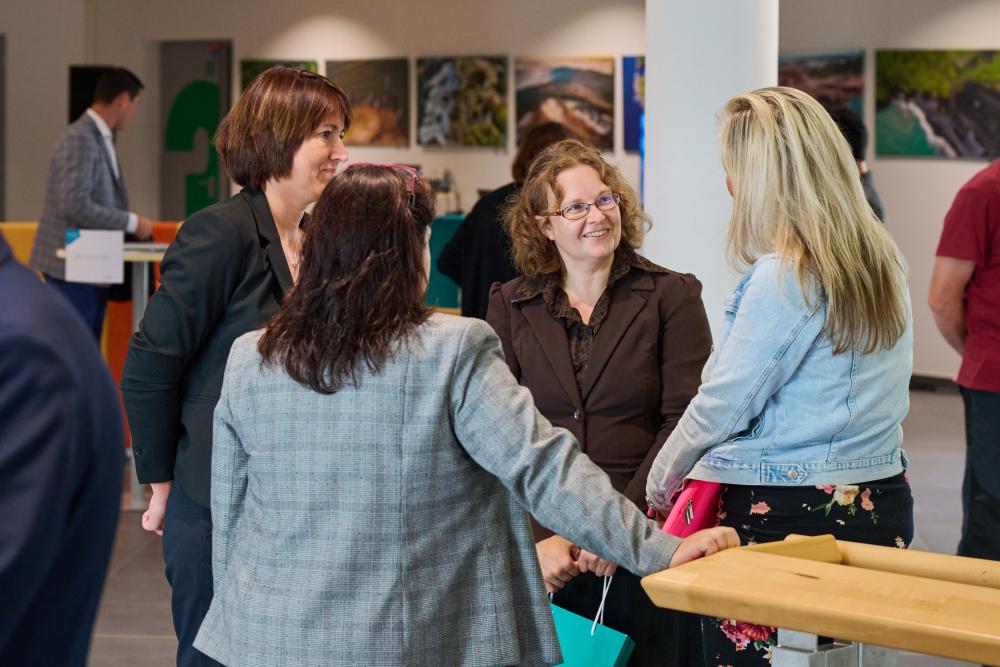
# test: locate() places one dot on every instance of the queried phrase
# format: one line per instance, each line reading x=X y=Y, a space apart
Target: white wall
x=127 y=32
x=916 y=192
x=43 y=38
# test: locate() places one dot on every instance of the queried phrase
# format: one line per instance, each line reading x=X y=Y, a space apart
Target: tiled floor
x=134 y=630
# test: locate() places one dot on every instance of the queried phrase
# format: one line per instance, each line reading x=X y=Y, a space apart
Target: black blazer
x=224 y=275
x=478 y=255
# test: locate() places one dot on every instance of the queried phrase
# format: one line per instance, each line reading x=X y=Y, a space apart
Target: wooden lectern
x=941 y=605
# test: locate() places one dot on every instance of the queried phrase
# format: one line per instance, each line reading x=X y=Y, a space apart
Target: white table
x=139 y=255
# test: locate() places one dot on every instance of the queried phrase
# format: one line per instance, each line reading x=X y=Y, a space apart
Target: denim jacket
x=777 y=408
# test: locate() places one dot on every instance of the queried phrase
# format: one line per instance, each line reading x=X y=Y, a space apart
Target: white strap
x=600 y=610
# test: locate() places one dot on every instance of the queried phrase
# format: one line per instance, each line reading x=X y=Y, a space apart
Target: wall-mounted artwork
x=943 y=104
x=249 y=69
x=576 y=91
x=379 y=90
x=462 y=101
x=633 y=99
x=837 y=80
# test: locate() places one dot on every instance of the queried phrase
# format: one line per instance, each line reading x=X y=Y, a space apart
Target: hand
x=558 y=565
x=588 y=562
x=660 y=516
x=704 y=543
x=152 y=518
x=144 y=229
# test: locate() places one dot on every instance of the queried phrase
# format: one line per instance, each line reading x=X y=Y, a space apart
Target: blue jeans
x=981 y=485
x=88 y=300
x=187 y=551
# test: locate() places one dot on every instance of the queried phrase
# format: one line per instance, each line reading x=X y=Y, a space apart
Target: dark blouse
x=581 y=336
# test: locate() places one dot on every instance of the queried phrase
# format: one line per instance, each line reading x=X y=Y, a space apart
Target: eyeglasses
x=579 y=210
x=405 y=168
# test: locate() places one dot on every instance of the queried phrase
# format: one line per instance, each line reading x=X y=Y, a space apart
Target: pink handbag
x=695 y=508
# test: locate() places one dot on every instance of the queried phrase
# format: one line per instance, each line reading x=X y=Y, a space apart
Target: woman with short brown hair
x=224 y=274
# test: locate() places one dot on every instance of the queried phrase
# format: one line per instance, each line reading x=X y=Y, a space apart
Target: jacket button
x=577 y=415
x=793 y=474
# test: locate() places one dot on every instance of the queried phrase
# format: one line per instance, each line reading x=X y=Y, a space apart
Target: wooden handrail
x=929 y=603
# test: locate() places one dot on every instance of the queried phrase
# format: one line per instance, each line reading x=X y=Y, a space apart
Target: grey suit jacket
x=385 y=524
x=81 y=193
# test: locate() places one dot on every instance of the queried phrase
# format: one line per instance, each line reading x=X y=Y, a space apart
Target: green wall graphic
x=196 y=89
x=196 y=109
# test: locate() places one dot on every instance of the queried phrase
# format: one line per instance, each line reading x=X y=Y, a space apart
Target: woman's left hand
x=588 y=562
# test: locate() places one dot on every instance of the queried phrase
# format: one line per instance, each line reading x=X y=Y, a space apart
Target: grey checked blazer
x=385 y=524
x=81 y=192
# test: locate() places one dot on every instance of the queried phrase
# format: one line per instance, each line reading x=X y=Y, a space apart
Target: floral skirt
x=878 y=512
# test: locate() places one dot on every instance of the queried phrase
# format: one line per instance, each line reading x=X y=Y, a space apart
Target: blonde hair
x=536 y=255
x=796 y=193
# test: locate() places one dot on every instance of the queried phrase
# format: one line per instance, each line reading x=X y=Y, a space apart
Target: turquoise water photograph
x=937 y=104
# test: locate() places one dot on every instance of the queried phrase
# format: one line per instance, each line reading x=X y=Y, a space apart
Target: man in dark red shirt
x=965 y=300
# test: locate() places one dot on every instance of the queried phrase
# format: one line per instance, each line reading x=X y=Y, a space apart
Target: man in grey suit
x=85 y=190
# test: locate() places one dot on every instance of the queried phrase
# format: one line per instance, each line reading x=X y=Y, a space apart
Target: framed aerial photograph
x=462 y=101
x=937 y=104
x=837 y=79
x=633 y=100
x=379 y=91
x=575 y=91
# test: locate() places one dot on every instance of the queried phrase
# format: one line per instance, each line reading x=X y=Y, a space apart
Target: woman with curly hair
x=611 y=346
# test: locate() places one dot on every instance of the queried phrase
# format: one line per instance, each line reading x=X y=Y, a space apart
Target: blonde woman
x=800 y=409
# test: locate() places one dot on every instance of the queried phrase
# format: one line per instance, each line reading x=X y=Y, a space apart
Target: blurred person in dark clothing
x=479 y=253
x=854 y=130
x=61 y=455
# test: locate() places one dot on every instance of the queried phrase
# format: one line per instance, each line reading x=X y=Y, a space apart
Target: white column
x=699 y=53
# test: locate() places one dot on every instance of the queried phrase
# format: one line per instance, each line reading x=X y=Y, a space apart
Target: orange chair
x=20 y=237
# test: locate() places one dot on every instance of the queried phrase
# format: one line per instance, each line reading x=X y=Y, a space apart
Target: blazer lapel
x=268 y=233
x=552 y=339
x=627 y=300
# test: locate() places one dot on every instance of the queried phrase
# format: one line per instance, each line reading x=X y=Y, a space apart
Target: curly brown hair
x=282 y=106
x=362 y=280
x=536 y=139
x=536 y=255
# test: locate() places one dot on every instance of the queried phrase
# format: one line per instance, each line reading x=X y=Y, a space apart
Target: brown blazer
x=645 y=366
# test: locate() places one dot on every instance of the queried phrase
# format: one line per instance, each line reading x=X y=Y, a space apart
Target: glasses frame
x=413 y=173
x=616 y=197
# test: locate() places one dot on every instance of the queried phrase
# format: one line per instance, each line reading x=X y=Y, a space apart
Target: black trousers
x=663 y=637
x=981 y=485
x=187 y=551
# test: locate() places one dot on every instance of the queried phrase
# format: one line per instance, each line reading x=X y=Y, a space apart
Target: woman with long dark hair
x=371 y=462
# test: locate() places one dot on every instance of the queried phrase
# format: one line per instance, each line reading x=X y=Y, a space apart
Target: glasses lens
x=608 y=201
x=575 y=211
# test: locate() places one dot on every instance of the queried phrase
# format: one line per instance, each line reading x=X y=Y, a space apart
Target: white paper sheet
x=94 y=256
